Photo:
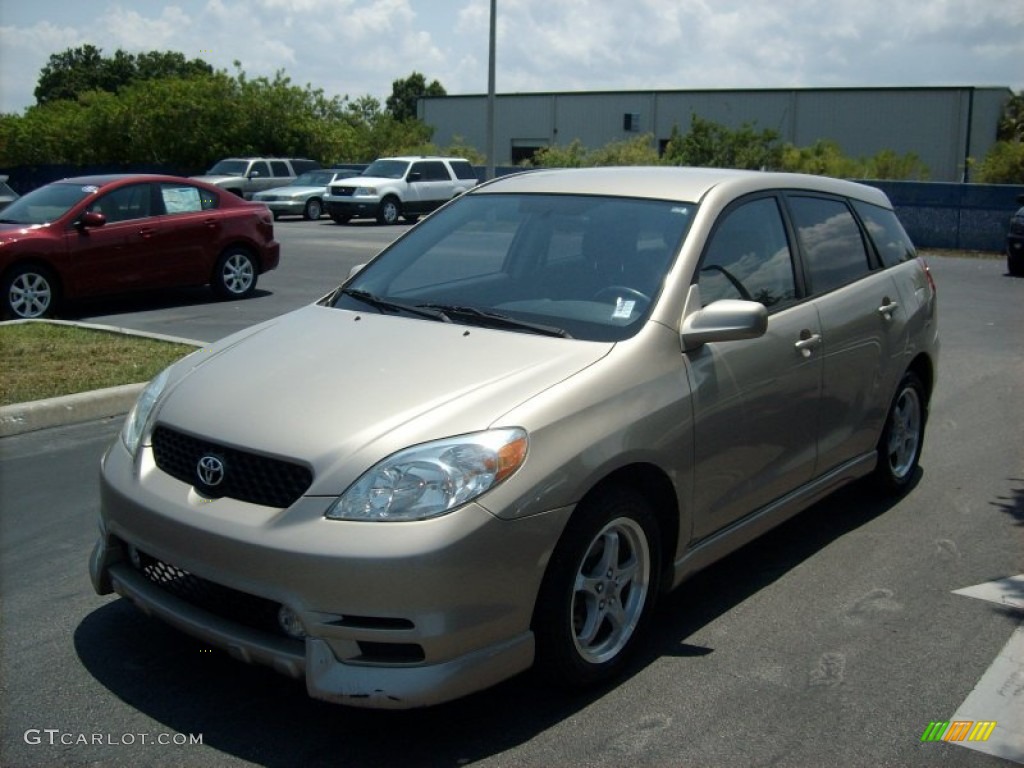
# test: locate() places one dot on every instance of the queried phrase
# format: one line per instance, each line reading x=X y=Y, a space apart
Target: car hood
x=363 y=181
x=291 y=191
x=219 y=177
x=341 y=390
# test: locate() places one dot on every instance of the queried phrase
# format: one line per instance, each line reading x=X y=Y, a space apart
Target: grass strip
x=39 y=360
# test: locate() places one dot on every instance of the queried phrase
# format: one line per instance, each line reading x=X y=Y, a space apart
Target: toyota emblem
x=210 y=470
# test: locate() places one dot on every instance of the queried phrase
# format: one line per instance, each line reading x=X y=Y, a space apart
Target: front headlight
x=365 y=192
x=434 y=478
x=138 y=418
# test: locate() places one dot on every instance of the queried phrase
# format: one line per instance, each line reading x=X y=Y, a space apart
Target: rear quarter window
x=890 y=239
x=464 y=170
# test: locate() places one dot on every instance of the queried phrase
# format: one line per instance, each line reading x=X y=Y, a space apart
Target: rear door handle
x=808 y=342
x=887 y=308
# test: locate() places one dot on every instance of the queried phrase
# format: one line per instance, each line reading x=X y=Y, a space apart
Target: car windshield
x=229 y=168
x=386 y=169
x=313 y=179
x=43 y=205
x=585 y=267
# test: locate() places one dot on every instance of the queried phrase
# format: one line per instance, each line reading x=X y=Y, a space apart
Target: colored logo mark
x=959 y=730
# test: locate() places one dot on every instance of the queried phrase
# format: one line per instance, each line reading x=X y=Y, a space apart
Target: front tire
x=389 y=212
x=599 y=589
x=29 y=292
x=899 y=448
x=235 y=274
x=313 y=210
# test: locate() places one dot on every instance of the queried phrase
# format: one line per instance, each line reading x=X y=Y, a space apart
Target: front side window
x=124 y=204
x=590 y=266
x=831 y=242
x=748 y=257
x=260 y=169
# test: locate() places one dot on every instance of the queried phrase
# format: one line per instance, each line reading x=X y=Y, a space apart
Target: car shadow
x=145 y=301
x=258 y=715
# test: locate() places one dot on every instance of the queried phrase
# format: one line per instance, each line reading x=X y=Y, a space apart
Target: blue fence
x=936 y=215
x=957 y=216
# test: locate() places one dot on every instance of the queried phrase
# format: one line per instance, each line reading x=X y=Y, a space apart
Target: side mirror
x=724 y=320
x=91 y=219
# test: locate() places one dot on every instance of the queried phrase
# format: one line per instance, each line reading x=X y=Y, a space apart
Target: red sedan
x=96 y=235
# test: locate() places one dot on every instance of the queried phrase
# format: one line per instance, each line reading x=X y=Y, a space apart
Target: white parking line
x=999 y=695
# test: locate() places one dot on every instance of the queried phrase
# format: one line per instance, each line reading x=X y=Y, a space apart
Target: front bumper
x=354 y=208
x=395 y=615
x=284 y=207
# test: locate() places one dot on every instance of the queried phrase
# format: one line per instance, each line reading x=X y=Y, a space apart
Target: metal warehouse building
x=944 y=126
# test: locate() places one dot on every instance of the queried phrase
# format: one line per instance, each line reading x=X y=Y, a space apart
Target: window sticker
x=623 y=308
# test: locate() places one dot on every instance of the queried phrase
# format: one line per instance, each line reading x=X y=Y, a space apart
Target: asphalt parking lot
x=835 y=639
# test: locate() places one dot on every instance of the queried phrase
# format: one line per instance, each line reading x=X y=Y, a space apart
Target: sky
x=355 y=48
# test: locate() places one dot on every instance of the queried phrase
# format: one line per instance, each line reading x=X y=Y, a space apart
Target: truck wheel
x=389 y=212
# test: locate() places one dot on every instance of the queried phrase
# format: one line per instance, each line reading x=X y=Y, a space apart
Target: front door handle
x=808 y=342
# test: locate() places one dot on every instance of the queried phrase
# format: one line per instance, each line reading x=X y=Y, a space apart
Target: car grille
x=247 y=476
x=239 y=607
x=343 y=191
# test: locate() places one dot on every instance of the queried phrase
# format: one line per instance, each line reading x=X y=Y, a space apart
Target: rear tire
x=29 y=291
x=1015 y=264
x=235 y=275
x=599 y=589
x=899 y=447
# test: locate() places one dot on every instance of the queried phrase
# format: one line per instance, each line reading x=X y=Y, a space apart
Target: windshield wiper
x=384 y=304
x=496 y=319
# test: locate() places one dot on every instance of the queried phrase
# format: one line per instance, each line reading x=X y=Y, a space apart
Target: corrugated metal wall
x=942 y=126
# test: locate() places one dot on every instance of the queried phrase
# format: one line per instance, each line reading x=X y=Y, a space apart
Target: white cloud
x=359 y=47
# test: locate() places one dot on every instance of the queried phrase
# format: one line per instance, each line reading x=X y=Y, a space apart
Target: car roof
x=410 y=158
x=672 y=183
x=102 y=179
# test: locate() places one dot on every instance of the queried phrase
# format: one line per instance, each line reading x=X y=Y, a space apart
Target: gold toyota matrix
x=500 y=440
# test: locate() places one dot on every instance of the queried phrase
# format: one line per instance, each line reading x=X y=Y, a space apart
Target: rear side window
x=184 y=198
x=280 y=168
x=886 y=232
x=831 y=242
x=748 y=257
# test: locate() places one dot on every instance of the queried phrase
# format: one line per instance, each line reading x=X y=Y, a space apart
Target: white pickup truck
x=399 y=187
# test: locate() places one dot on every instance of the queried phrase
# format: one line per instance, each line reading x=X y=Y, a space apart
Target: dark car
x=96 y=235
x=1015 y=242
x=7 y=195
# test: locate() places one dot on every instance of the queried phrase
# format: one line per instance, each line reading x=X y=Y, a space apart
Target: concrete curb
x=84 y=406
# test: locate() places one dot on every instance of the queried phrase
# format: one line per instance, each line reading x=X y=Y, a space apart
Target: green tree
x=76 y=71
x=1011 y=123
x=712 y=145
x=1004 y=164
x=401 y=104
